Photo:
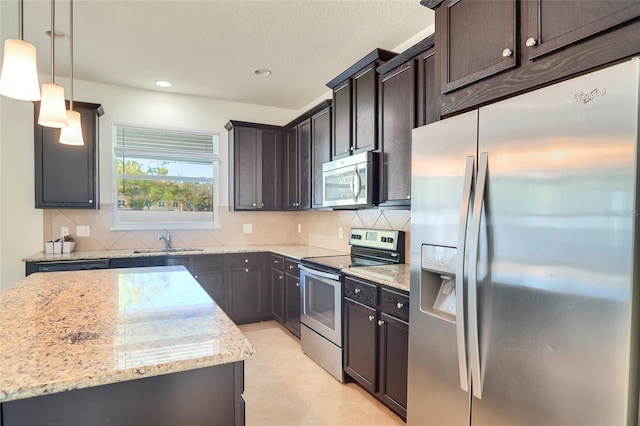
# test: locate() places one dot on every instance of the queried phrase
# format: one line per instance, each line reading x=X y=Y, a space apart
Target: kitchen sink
x=165 y=250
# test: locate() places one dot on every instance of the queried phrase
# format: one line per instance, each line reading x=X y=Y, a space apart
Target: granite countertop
x=294 y=251
x=396 y=276
x=69 y=330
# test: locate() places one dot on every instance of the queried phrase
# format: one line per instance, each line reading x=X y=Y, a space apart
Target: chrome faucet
x=167 y=239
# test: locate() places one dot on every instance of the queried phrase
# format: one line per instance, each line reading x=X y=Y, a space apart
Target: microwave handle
x=356 y=184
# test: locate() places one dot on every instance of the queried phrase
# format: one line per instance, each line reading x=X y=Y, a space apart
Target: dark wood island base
x=209 y=396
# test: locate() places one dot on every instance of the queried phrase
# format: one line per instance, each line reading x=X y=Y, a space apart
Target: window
x=155 y=168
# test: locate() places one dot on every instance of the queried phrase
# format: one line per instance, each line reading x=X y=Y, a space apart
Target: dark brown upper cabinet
x=553 y=24
x=543 y=41
x=255 y=165
x=406 y=99
x=478 y=39
x=297 y=167
x=66 y=176
x=320 y=152
x=355 y=109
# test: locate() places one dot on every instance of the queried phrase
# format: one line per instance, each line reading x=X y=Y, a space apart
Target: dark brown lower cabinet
x=376 y=342
x=285 y=291
x=208 y=270
x=249 y=286
x=206 y=396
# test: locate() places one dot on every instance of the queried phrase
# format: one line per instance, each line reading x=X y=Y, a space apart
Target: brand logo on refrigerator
x=585 y=98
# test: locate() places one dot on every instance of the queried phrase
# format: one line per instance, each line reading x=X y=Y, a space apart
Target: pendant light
x=52 y=110
x=19 y=79
x=72 y=135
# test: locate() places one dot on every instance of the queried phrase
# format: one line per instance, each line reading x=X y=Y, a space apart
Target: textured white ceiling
x=210 y=48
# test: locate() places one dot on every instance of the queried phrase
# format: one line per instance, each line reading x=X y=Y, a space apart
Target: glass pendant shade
x=19 y=78
x=53 y=112
x=72 y=135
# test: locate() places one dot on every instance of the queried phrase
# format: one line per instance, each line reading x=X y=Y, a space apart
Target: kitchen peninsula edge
x=119 y=343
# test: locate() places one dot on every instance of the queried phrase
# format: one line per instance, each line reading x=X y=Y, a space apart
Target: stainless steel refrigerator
x=524 y=269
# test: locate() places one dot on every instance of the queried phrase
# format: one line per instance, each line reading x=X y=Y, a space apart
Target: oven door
x=321 y=303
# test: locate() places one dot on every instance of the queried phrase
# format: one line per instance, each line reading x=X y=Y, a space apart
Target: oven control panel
x=377 y=238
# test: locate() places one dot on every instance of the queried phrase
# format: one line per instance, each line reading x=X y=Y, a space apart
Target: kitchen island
x=120 y=347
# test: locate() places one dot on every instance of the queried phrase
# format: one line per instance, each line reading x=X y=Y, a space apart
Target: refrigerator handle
x=462 y=237
x=474 y=343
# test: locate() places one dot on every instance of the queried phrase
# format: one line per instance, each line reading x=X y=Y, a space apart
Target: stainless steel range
x=321 y=281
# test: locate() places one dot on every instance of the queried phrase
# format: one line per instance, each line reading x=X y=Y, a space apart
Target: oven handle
x=320 y=273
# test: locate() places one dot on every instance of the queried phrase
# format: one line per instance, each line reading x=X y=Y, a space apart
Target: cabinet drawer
x=394 y=303
x=215 y=261
x=291 y=267
x=361 y=291
x=276 y=262
x=245 y=259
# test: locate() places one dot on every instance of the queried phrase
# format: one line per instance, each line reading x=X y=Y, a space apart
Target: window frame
x=117 y=225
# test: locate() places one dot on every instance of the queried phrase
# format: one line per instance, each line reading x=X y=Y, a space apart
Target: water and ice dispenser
x=438 y=281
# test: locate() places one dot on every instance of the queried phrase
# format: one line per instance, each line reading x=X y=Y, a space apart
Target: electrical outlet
x=247 y=228
x=64 y=231
x=299 y=228
x=83 y=231
x=340 y=232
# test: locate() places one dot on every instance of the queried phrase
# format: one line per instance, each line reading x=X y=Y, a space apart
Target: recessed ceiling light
x=163 y=83
x=263 y=72
x=59 y=34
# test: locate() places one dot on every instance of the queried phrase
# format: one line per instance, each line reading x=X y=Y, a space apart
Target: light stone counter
x=295 y=251
x=71 y=330
x=396 y=276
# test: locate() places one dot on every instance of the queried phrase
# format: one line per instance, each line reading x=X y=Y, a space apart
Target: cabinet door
x=290 y=170
x=394 y=355
x=342 y=120
x=476 y=39
x=213 y=283
x=365 y=89
x=269 y=186
x=292 y=314
x=247 y=295
x=304 y=165
x=554 y=24
x=66 y=175
x=277 y=295
x=321 y=152
x=397 y=119
x=246 y=154
x=428 y=109
x=360 y=343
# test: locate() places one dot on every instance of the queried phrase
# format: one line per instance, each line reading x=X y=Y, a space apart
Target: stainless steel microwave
x=351 y=182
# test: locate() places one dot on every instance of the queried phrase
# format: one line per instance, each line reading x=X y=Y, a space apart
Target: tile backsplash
x=318 y=228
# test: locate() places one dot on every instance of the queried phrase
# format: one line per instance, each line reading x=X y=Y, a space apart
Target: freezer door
x=556 y=254
x=441 y=154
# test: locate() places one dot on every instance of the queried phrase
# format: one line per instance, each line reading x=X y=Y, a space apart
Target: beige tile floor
x=284 y=387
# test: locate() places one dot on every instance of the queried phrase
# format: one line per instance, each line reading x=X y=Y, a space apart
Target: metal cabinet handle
x=246 y=270
x=356 y=291
x=506 y=53
x=346 y=150
x=408 y=197
x=254 y=204
x=280 y=277
x=380 y=323
x=400 y=305
x=195 y=276
x=275 y=261
x=246 y=261
x=291 y=266
x=531 y=42
x=371 y=317
x=351 y=149
x=297 y=284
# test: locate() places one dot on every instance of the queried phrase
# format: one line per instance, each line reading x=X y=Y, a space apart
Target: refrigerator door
x=442 y=153
x=555 y=259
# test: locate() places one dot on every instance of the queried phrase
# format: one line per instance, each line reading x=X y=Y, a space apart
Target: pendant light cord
x=21 y=19
x=71 y=48
x=53 y=40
